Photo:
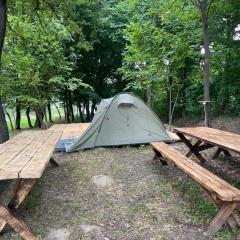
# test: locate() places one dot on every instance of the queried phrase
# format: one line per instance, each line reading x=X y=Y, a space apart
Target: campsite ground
x=116 y=193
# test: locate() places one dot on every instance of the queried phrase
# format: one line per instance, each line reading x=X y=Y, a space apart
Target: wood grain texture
x=21 y=192
x=208 y=180
x=223 y=139
x=224 y=213
x=23 y=187
x=16 y=224
x=73 y=130
x=223 y=195
x=35 y=167
x=28 y=151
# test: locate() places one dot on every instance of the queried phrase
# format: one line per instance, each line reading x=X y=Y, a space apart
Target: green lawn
x=24 y=122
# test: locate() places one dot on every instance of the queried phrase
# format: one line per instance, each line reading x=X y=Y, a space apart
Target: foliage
x=78 y=52
x=164 y=50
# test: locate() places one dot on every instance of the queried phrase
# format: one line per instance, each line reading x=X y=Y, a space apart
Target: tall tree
x=204 y=6
x=4 y=136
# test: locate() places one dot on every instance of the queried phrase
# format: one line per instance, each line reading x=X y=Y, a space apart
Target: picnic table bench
x=223 y=195
x=24 y=158
x=209 y=138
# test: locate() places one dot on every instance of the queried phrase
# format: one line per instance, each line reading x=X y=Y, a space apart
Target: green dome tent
x=121 y=120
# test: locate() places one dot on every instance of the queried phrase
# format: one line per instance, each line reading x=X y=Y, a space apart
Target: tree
x=162 y=51
x=4 y=136
x=204 y=7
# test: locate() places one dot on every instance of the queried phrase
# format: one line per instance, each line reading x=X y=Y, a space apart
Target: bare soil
x=139 y=203
x=115 y=194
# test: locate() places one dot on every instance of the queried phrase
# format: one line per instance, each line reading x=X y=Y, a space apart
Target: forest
x=70 y=54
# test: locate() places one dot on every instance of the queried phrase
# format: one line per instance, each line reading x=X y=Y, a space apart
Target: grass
x=75 y=205
x=201 y=209
x=24 y=121
x=33 y=202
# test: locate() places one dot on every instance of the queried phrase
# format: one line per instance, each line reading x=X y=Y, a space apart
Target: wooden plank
x=232 y=221
x=16 y=224
x=12 y=168
x=53 y=162
x=216 y=154
x=35 y=167
x=13 y=141
x=211 y=182
x=191 y=147
x=73 y=130
x=21 y=191
x=223 y=139
x=201 y=173
x=217 y=181
x=222 y=216
x=189 y=153
x=16 y=148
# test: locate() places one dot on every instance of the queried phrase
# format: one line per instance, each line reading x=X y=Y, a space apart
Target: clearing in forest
x=115 y=193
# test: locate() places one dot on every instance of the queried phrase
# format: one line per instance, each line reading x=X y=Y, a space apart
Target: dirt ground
x=112 y=193
x=117 y=194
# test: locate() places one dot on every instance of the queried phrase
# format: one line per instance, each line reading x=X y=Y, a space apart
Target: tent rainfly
x=121 y=120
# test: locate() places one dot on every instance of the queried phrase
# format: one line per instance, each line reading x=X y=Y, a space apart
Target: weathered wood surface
x=22 y=189
x=26 y=155
x=24 y=158
x=214 y=184
x=222 y=194
x=16 y=224
x=223 y=139
x=73 y=130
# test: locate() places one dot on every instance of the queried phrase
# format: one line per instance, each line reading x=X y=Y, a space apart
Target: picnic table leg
x=227 y=153
x=189 y=153
x=224 y=213
x=232 y=221
x=21 y=190
x=158 y=156
x=216 y=154
x=16 y=224
x=53 y=162
x=219 y=150
x=191 y=147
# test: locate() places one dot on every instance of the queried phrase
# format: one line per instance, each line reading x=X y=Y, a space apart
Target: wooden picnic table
x=72 y=130
x=24 y=158
x=209 y=138
x=222 y=194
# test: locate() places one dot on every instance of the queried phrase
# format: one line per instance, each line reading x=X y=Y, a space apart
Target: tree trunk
x=182 y=92
x=45 y=113
x=10 y=119
x=4 y=135
x=204 y=12
x=80 y=109
x=28 y=117
x=37 y=123
x=170 y=106
x=93 y=109
x=49 y=113
x=87 y=110
x=3 y=25
x=147 y=96
x=65 y=109
x=71 y=105
x=18 y=115
x=59 y=114
x=39 y=118
x=67 y=106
